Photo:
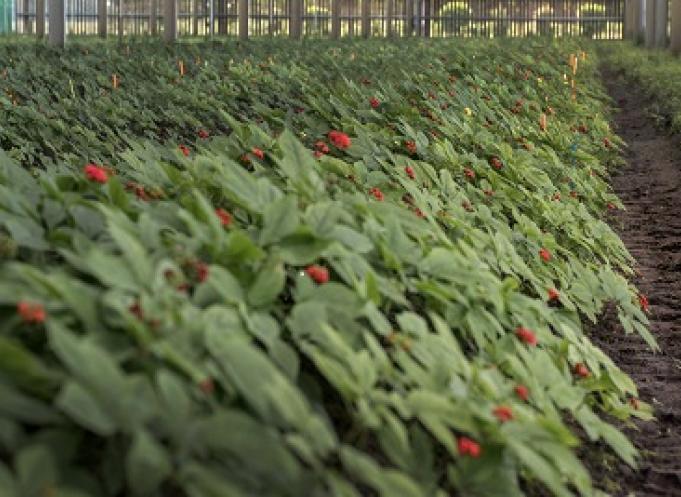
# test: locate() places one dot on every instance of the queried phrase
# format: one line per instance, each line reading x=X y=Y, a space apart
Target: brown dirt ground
x=650 y=187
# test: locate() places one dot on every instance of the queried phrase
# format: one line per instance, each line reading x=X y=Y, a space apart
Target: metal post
x=153 y=18
x=639 y=20
x=119 y=19
x=390 y=14
x=211 y=19
x=675 y=42
x=243 y=19
x=650 y=23
x=195 y=17
x=409 y=20
x=426 y=17
x=40 y=18
x=366 y=21
x=27 y=23
x=628 y=31
x=101 y=18
x=57 y=37
x=170 y=20
x=335 y=19
x=661 y=22
x=296 y=22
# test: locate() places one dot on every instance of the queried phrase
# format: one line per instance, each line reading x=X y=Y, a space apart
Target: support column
x=28 y=27
x=427 y=14
x=57 y=36
x=153 y=18
x=296 y=21
x=675 y=42
x=211 y=19
x=628 y=32
x=243 y=19
x=639 y=19
x=40 y=18
x=650 y=23
x=390 y=14
x=170 y=20
x=101 y=18
x=661 y=22
x=195 y=17
x=409 y=20
x=335 y=19
x=366 y=20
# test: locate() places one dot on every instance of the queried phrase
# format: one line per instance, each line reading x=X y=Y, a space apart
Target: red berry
x=545 y=254
x=553 y=294
x=470 y=174
x=258 y=153
x=203 y=134
x=581 y=370
x=373 y=101
x=225 y=217
x=526 y=335
x=31 y=313
x=185 y=150
x=410 y=172
x=496 y=163
x=643 y=302
x=319 y=274
x=503 y=413
x=377 y=194
x=468 y=447
x=339 y=139
x=522 y=392
x=96 y=173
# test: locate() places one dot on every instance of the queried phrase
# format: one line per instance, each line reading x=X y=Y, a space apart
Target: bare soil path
x=650 y=187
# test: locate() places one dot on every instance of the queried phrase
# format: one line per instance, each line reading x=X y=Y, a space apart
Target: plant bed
x=357 y=270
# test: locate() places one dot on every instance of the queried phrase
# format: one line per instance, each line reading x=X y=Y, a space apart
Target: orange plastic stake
x=114 y=81
x=181 y=66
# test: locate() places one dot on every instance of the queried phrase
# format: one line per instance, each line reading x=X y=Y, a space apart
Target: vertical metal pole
x=409 y=18
x=675 y=13
x=650 y=23
x=426 y=17
x=101 y=18
x=119 y=20
x=335 y=19
x=243 y=19
x=366 y=21
x=296 y=21
x=661 y=23
x=153 y=18
x=57 y=37
x=390 y=15
x=170 y=20
x=211 y=19
x=40 y=18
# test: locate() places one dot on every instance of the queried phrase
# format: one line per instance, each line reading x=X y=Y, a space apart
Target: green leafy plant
x=358 y=270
